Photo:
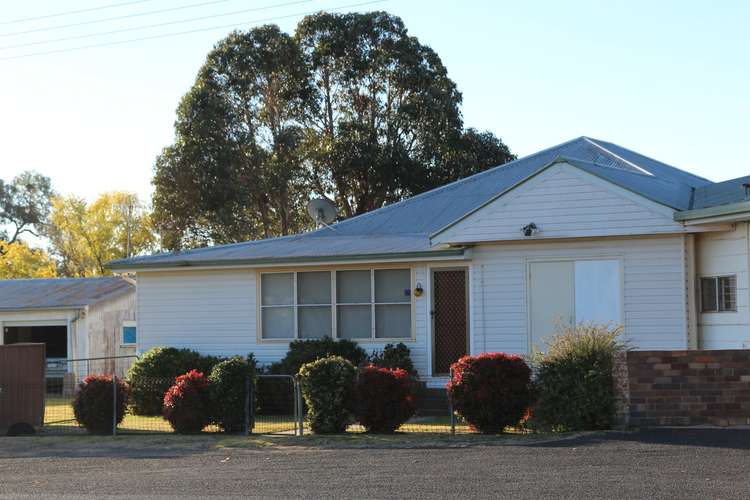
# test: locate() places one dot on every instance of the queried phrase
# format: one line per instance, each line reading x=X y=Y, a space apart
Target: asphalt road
x=653 y=464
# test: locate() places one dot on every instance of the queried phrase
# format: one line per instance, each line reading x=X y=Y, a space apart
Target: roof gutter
x=723 y=213
x=272 y=261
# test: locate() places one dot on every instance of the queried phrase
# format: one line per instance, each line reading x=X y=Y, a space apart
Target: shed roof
x=404 y=227
x=59 y=293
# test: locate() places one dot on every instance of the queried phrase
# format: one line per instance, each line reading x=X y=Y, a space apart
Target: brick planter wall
x=688 y=387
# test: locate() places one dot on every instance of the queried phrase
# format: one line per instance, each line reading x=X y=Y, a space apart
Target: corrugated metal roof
x=405 y=226
x=59 y=293
x=721 y=193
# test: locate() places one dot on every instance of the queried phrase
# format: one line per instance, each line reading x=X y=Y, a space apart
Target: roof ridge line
x=594 y=143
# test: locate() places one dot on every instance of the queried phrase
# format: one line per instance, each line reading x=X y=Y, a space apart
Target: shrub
x=187 y=403
x=573 y=386
x=306 y=351
x=228 y=387
x=92 y=405
x=490 y=391
x=155 y=371
x=393 y=357
x=384 y=398
x=327 y=385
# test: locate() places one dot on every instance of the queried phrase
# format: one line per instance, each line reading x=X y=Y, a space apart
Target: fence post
x=114 y=404
x=450 y=406
x=298 y=407
x=249 y=407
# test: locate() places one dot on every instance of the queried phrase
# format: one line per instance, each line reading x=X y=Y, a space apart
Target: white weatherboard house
x=583 y=231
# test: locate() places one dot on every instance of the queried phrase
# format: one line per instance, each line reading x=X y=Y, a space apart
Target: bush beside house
x=228 y=384
x=384 y=398
x=93 y=403
x=574 y=387
x=394 y=356
x=490 y=391
x=187 y=404
x=153 y=373
x=328 y=389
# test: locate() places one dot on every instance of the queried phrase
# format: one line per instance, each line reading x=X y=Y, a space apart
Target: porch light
x=529 y=229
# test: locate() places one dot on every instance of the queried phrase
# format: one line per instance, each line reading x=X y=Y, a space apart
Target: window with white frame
x=129 y=333
x=349 y=304
x=719 y=294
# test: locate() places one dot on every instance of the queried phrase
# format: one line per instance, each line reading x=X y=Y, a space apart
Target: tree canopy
x=24 y=206
x=84 y=237
x=17 y=260
x=351 y=107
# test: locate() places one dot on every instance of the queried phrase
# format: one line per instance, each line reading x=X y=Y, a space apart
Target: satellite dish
x=322 y=211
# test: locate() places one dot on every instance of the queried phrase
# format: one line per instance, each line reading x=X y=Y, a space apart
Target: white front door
x=563 y=293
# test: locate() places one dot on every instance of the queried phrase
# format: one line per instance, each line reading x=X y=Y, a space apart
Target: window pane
x=393 y=321
x=314 y=322
x=728 y=293
x=354 y=322
x=393 y=285
x=277 y=289
x=278 y=322
x=128 y=335
x=708 y=295
x=314 y=288
x=352 y=287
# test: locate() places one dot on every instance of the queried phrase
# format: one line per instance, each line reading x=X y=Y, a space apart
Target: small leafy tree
x=384 y=398
x=24 y=206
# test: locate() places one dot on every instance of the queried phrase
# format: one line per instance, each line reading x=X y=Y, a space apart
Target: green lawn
x=59 y=417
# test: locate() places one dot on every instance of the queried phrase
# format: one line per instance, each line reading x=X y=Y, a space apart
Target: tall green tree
x=352 y=107
x=235 y=171
x=24 y=206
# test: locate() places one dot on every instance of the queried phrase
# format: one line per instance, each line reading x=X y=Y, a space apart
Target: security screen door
x=562 y=293
x=450 y=318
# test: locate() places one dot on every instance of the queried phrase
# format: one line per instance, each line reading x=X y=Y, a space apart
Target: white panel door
x=551 y=296
x=598 y=292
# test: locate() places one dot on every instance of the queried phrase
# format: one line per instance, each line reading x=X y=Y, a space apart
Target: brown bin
x=22 y=385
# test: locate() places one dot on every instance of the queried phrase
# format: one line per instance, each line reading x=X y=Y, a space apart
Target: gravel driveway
x=657 y=464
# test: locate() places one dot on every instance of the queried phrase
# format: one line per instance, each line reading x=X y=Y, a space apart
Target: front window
x=129 y=333
x=349 y=304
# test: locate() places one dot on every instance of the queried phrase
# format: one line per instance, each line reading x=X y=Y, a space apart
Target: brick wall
x=688 y=387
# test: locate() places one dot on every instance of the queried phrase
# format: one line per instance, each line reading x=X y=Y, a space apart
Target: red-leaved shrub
x=187 y=403
x=92 y=405
x=490 y=391
x=384 y=398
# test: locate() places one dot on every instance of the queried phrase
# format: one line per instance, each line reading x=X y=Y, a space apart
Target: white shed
x=77 y=318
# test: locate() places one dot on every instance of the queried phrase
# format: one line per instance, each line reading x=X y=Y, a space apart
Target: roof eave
x=322 y=259
x=738 y=210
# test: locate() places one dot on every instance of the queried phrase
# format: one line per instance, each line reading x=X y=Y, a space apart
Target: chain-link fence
x=273 y=404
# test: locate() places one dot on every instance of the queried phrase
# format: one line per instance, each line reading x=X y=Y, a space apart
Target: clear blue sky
x=670 y=79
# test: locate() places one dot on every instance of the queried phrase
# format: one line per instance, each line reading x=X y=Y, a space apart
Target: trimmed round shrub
x=490 y=391
x=393 y=357
x=328 y=386
x=306 y=351
x=384 y=399
x=155 y=371
x=187 y=404
x=228 y=387
x=573 y=389
x=92 y=405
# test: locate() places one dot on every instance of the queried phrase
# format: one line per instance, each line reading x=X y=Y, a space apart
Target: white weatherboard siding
x=721 y=254
x=214 y=312
x=564 y=202
x=654 y=299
